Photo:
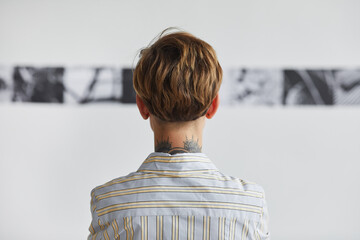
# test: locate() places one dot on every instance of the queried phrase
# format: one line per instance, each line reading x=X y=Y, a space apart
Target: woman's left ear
x=213 y=107
x=144 y=111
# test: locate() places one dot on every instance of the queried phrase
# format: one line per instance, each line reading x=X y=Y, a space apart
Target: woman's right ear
x=144 y=111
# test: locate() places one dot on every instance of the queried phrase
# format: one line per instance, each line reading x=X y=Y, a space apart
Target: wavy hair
x=177 y=77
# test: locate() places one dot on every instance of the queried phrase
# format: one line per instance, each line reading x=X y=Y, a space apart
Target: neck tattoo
x=190 y=146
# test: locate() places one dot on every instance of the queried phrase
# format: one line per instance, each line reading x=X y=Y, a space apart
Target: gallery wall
x=306 y=157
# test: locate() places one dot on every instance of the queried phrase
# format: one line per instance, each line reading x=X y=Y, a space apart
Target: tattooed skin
x=163 y=146
x=190 y=146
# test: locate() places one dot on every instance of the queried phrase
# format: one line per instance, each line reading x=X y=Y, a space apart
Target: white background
x=306 y=158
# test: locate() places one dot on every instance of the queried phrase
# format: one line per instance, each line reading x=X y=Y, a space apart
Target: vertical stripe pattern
x=116 y=230
x=190 y=227
x=206 y=228
x=245 y=230
x=175 y=228
x=106 y=235
x=128 y=226
x=144 y=227
x=232 y=229
x=221 y=228
x=159 y=227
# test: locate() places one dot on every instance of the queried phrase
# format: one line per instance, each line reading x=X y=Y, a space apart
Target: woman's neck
x=179 y=137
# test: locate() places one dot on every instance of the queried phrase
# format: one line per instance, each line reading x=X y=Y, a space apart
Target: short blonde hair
x=178 y=77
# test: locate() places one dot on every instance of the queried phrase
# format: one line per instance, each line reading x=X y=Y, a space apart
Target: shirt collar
x=188 y=163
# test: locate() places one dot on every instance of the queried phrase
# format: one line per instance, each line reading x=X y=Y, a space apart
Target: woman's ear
x=213 y=107
x=144 y=111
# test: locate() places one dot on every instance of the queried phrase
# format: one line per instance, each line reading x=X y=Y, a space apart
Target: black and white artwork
x=308 y=87
x=71 y=85
x=347 y=90
x=252 y=86
x=92 y=85
x=241 y=86
x=32 y=84
x=287 y=87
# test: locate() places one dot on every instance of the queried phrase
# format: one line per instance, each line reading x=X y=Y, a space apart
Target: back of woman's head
x=177 y=77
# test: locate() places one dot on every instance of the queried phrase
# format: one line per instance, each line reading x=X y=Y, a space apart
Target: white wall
x=51 y=156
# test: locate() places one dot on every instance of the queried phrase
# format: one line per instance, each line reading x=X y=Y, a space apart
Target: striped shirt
x=176 y=197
